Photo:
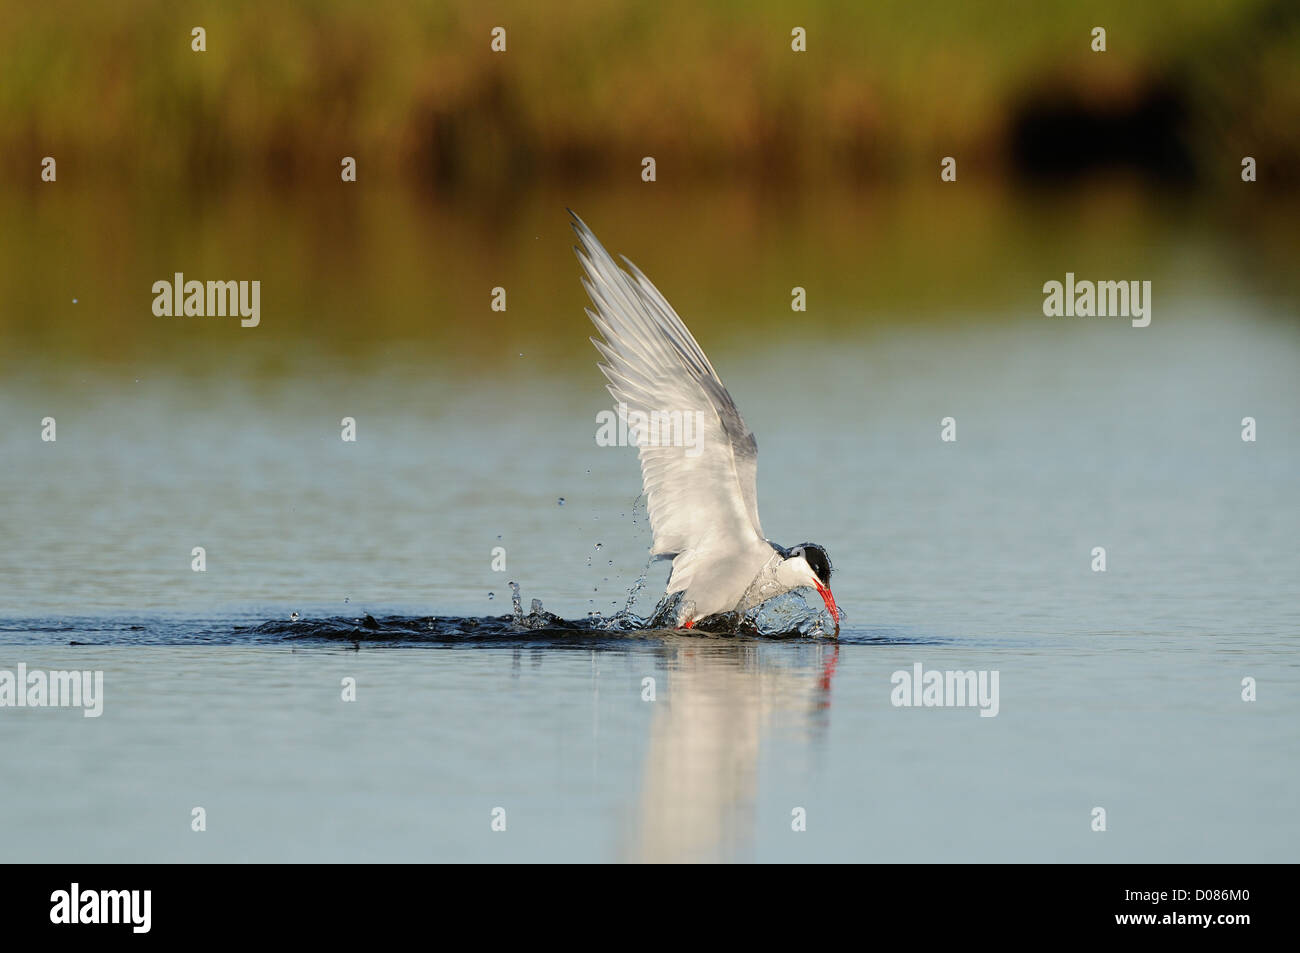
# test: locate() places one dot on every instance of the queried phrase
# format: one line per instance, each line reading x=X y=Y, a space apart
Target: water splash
x=787 y=614
x=792 y=613
x=636 y=589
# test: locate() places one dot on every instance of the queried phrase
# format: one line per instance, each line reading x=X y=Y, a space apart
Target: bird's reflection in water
x=720 y=702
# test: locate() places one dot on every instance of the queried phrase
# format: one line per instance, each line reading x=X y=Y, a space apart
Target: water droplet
x=492 y=595
x=517 y=609
x=74 y=300
x=347 y=599
x=294 y=617
x=561 y=501
x=611 y=562
x=600 y=545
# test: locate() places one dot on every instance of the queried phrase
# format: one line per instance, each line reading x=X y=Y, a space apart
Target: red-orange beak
x=829 y=599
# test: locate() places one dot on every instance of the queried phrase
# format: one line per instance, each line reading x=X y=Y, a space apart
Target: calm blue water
x=1119 y=689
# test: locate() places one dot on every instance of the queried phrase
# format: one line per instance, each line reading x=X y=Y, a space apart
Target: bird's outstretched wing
x=701 y=498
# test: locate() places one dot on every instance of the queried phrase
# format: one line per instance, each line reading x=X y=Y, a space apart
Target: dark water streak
x=504 y=631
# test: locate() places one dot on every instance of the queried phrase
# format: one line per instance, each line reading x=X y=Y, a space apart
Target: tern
x=701 y=494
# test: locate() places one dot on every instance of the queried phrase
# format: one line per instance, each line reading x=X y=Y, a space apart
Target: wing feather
x=698 y=502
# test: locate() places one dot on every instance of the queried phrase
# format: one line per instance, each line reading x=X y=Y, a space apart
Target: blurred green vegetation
x=588 y=87
x=776 y=169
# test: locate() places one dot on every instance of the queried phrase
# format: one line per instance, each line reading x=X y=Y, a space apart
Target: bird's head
x=808 y=565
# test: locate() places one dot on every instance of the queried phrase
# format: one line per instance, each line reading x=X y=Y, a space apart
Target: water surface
x=1119 y=689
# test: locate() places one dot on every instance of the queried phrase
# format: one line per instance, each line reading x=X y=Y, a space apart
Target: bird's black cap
x=817 y=559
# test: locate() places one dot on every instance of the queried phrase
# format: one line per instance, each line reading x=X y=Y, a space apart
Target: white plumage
x=701 y=493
